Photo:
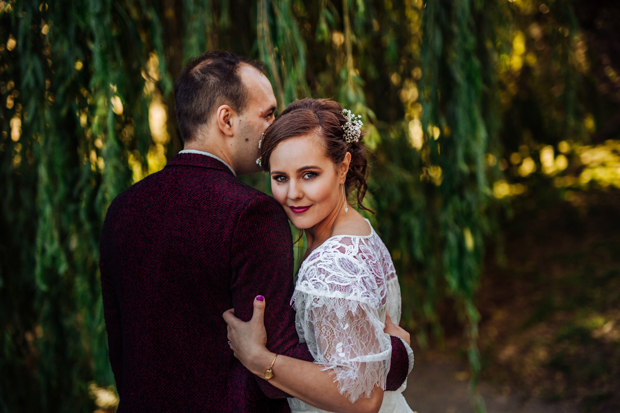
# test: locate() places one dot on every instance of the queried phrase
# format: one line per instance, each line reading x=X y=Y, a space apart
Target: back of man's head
x=207 y=82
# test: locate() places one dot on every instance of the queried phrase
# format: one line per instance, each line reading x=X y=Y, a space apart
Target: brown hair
x=324 y=117
x=208 y=81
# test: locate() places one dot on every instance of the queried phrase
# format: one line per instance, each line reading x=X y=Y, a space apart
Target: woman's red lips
x=299 y=210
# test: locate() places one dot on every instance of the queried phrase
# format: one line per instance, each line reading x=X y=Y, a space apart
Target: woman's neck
x=320 y=232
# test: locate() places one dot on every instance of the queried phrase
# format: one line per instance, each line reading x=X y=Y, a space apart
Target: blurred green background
x=494 y=137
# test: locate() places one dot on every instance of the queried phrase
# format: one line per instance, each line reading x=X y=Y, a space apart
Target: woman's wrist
x=260 y=362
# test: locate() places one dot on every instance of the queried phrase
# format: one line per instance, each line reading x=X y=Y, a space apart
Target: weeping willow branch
x=348 y=43
x=266 y=50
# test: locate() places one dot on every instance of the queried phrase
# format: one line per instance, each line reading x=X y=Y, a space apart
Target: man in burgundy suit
x=185 y=244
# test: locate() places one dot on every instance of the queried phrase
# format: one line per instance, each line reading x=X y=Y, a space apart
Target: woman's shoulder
x=345 y=266
x=345 y=243
x=355 y=225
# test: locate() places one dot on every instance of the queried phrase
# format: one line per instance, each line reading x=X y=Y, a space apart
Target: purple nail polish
x=260 y=298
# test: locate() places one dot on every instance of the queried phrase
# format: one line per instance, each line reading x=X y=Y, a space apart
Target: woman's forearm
x=309 y=383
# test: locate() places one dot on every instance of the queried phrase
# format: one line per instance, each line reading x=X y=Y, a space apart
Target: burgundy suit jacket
x=178 y=249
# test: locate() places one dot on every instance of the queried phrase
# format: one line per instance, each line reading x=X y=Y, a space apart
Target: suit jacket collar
x=198 y=160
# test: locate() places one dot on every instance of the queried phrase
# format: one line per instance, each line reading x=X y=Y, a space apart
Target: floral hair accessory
x=259 y=161
x=353 y=127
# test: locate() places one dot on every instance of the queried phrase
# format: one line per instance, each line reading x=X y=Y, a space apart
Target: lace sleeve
x=340 y=312
x=346 y=336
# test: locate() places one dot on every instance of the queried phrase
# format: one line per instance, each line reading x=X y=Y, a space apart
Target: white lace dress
x=344 y=289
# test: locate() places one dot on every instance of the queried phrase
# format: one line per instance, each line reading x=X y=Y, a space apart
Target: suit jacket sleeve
x=111 y=308
x=262 y=263
x=400 y=365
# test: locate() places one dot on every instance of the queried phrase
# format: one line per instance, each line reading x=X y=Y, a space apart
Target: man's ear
x=224 y=118
x=344 y=167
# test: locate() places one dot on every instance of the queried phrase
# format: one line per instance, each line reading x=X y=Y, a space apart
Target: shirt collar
x=209 y=155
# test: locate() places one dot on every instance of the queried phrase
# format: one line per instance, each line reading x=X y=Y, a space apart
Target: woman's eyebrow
x=303 y=168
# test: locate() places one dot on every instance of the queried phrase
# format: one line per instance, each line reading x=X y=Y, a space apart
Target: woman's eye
x=279 y=178
x=310 y=175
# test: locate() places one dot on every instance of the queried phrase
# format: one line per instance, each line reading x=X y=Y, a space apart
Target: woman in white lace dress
x=346 y=286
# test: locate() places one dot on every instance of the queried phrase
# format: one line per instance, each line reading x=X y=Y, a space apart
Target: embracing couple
x=202 y=310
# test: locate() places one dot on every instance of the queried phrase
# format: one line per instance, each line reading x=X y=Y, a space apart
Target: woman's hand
x=394 y=330
x=248 y=340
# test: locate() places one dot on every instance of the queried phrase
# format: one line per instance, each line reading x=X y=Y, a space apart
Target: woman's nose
x=294 y=190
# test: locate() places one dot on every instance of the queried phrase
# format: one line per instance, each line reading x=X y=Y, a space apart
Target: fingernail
x=260 y=298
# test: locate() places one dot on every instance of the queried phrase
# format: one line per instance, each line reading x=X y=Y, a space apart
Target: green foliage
x=453 y=86
x=69 y=72
x=433 y=82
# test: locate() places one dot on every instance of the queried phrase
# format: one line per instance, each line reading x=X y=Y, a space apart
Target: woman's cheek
x=279 y=193
x=322 y=193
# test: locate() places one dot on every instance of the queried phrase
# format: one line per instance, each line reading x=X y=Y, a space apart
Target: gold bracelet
x=269 y=372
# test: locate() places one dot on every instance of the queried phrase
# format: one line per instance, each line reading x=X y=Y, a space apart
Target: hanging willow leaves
x=453 y=89
x=87 y=109
x=79 y=116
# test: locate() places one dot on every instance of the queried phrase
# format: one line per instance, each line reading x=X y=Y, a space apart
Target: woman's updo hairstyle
x=323 y=117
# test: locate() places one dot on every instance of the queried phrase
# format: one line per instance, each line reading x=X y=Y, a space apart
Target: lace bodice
x=344 y=289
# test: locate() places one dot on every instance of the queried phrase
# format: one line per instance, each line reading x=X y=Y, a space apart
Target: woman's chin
x=300 y=222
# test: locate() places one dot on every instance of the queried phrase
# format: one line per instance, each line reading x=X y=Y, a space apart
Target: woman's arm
x=304 y=380
x=310 y=383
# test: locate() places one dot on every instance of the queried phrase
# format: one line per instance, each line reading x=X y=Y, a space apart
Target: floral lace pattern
x=344 y=289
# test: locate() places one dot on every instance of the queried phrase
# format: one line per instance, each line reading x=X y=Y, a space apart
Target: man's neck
x=212 y=149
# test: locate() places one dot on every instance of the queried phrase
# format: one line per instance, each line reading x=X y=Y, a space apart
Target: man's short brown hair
x=207 y=82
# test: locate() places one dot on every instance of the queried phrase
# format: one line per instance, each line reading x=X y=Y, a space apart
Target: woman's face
x=305 y=181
